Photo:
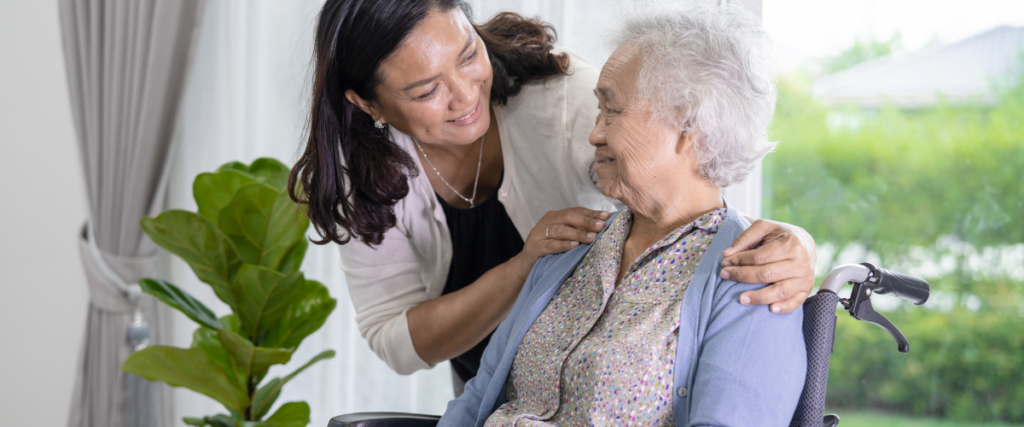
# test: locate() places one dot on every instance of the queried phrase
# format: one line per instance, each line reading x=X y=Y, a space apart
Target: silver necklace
x=476 y=181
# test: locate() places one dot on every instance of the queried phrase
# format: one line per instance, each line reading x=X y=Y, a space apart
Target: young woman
x=446 y=158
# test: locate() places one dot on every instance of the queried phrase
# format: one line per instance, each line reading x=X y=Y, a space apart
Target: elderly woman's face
x=635 y=156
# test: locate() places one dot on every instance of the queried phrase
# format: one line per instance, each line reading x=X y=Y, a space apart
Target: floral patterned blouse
x=601 y=353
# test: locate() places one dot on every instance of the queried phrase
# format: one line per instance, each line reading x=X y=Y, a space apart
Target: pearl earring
x=377 y=124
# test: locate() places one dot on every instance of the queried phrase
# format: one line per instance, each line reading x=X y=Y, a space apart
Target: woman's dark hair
x=351 y=173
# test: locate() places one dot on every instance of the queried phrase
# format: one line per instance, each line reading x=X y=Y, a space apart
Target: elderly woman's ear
x=687 y=139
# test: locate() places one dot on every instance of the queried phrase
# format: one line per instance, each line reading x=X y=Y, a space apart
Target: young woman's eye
x=428 y=94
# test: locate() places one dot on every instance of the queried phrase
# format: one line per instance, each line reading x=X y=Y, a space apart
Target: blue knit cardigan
x=735 y=365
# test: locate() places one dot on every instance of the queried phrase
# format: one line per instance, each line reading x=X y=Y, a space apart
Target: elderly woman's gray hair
x=707 y=69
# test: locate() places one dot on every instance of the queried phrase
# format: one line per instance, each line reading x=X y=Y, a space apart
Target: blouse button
x=682 y=392
x=503 y=193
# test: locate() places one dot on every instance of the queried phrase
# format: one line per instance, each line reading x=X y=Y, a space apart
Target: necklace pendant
x=476 y=180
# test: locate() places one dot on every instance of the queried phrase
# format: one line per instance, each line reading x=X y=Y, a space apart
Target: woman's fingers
x=602 y=215
x=751 y=237
x=552 y=246
x=565 y=232
x=562 y=230
x=557 y=232
x=784 y=296
x=583 y=218
x=780 y=248
x=783 y=265
x=765 y=273
x=796 y=241
x=575 y=224
x=771 y=272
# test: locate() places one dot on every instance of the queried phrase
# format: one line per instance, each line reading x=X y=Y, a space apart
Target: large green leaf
x=292 y=259
x=249 y=359
x=268 y=393
x=219 y=420
x=181 y=300
x=235 y=166
x=230 y=321
x=271 y=172
x=264 y=224
x=266 y=170
x=208 y=340
x=195 y=239
x=190 y=368
x=303 y=318
x=193 y=421
x=291 y=414
x=264 y=297
x=213 y=191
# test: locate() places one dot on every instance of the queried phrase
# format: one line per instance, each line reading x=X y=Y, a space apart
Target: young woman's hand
x=785 y=260
x=557 y=232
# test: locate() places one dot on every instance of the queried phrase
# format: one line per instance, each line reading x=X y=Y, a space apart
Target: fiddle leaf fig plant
x=246 y=241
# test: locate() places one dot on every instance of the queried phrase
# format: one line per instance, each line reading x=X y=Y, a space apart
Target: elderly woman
x=638 y=328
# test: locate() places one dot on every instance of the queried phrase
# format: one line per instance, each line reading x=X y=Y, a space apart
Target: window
x=902 y=144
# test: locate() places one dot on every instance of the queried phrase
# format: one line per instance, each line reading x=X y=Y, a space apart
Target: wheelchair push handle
x=900 y=285
x=869 y=280
x=879 y=280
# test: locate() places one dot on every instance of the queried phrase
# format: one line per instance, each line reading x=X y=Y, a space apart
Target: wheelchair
x=819 y=328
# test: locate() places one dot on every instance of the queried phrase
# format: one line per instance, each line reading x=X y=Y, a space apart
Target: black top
x=482 y=238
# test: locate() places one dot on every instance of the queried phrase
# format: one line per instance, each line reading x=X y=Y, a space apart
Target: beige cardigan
x=544 y=132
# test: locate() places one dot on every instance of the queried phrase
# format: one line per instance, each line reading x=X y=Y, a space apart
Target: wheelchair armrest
x=383 y=419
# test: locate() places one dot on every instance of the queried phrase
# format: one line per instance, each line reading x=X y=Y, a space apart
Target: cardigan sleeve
x=751 y=364
x=384 y=282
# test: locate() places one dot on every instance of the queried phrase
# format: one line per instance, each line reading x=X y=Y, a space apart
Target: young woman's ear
x=364 y=105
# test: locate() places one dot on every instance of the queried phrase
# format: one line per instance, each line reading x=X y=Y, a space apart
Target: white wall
x=43 y=295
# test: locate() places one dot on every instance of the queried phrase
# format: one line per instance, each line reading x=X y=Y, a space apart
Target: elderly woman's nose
x=597 y=137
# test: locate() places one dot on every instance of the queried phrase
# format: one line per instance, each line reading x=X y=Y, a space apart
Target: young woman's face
x=436 y=86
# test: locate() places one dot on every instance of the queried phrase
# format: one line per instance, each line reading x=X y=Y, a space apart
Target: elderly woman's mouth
x=601 y=160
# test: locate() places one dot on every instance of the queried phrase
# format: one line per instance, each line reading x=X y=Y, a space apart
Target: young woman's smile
x=468 y=119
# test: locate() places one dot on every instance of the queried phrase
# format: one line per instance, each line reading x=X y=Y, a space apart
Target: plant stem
x=252 y=395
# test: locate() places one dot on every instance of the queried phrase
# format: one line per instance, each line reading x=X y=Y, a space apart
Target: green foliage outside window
x=943 y=183
x=860 y=52
x=247 y=242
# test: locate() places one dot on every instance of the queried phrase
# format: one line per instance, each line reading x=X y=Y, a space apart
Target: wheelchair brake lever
x=860 y=308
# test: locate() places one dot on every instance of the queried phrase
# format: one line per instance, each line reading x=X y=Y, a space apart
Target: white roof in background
x=963 y=72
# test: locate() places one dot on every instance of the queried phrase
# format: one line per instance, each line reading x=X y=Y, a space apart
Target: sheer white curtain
x=247 y=99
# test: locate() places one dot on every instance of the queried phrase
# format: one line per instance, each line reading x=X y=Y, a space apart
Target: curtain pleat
x=127 y=62
x=129 y=400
